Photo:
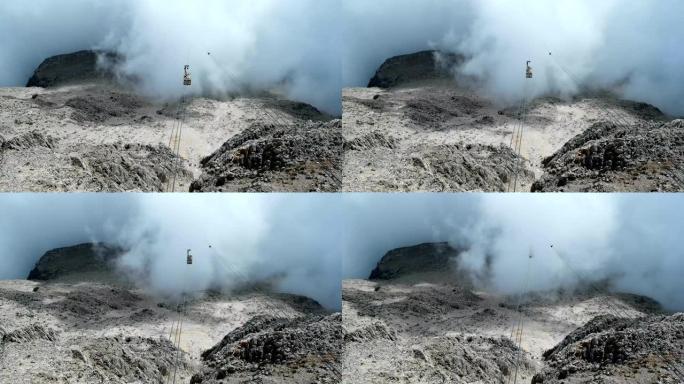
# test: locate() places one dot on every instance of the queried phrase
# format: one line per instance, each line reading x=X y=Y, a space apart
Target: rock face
x=26 y=141
x=619 y=350
x=131 y=167
x=266 y=349
x=79 y=260
x=617 y=158
x=424 y=65
x=304 y=157
x=428 y=257
x=71 y=68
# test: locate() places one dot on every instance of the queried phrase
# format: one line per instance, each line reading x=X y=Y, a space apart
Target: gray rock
x=72 y=68
x=76 y=260
x=424 y=65
x=301 y=350
x=265 y=157
x=619 y=350
x=611 y=158
x=427 y=257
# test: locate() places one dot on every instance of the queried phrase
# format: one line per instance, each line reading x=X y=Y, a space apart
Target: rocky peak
x=422 y=258
x=72 y=68
x=418 y=66
x=78 y=261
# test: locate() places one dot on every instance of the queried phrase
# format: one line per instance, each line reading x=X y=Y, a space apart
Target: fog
x=305 y=243
x=291 y=241
x=285 y=46
x=308 y=49
x=633 y=47
x=631 y=240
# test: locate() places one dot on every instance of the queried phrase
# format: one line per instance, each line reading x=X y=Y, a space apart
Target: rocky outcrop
x=619 y=350
x=133 y=359
x=131 y=167
x=428 y=257
x=72 y=68
x=29 y=333
x=376 y=330
x=304 y=157
x=70 y=262
x=306 y=349
x=617 y=158
x=424 y=65
x=26 y=141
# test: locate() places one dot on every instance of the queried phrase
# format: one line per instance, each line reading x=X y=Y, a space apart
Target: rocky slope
x=425 y=323
x=78 y=127
x=304 y=350
x=266 y=158
x=616 y=350
x=616 y=158
x=68 y=328
x=417 y=129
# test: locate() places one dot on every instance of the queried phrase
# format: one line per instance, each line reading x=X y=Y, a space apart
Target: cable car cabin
x=187 y=80
x=528 y=71
x=189 y=258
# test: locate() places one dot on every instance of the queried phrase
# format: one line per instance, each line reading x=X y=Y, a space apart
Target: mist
x=284 y=46
x=632 y=241
x=632 y=47
x=289 y=241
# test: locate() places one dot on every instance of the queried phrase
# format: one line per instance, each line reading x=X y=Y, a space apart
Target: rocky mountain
x=72 y=68
x=428 y=257
x=417 y=326
x=417 y=128
x=78 y=127
x=88 y=260
x=405 y=69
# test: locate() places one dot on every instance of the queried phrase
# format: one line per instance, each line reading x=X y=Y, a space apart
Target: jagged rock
x=377 y=330
x=70 y=262
x=72 y=68
x=371 y=140
x=611 y=158
x=618 y=350
x=133 y=167
x=265 y=157
x=28 y=140
x=30 y=333
x=424 y=65
x=308 y=348
x=135 y=359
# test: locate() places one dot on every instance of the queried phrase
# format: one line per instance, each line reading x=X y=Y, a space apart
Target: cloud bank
x=287 y=46
x=291 y=240
x=632 y=240
x=631 y=46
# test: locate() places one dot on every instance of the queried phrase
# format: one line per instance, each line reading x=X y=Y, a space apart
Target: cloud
x=291 y=240
x=634 y=45
x=287 y=46
x=632 y=240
